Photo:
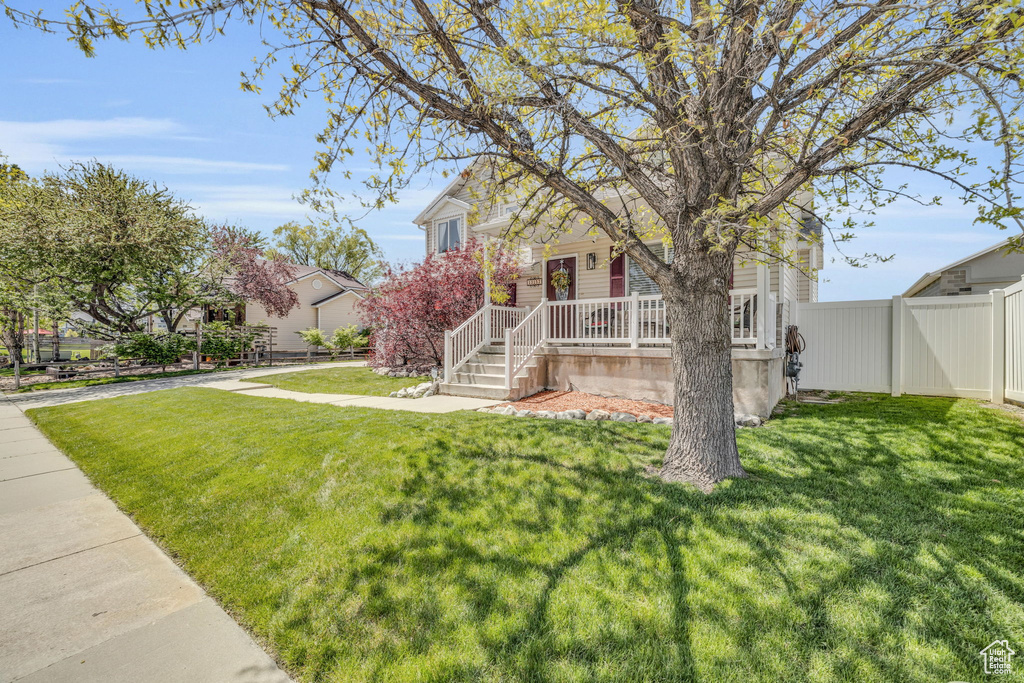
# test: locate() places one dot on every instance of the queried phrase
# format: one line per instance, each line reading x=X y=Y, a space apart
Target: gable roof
x=338 y=277
x=448 y=193
x=929 y=278
x=337 y=295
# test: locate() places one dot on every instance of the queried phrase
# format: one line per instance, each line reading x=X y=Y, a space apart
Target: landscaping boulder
x=748 y=421
x=393 y=394
x=599 y=415
x=623 y=417
x=507 y=410
x=525 y=413
x=577 y=414
x=662 y=420
x=546 y=414
x=483 y=410
x=428 y=393
x=563 y=415
x=643 y=418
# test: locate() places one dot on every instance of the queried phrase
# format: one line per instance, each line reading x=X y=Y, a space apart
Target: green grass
x=73 y=383
x=876 y=540
x=350 y=380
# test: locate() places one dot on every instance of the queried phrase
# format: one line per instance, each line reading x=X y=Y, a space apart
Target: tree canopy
x=121 y=249
x=329 y=246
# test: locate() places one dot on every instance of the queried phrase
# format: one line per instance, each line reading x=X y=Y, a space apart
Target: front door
x=563 y=315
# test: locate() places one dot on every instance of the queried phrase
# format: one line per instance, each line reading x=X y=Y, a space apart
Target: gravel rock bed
x=577 y=405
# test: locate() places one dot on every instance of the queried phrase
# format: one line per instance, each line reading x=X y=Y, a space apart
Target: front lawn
x=350 y=380
x=876 y=540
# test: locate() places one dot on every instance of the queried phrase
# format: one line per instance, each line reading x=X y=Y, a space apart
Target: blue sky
x=180 y=118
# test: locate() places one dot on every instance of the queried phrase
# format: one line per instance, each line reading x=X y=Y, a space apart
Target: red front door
x=569 y=264
x=562 y=324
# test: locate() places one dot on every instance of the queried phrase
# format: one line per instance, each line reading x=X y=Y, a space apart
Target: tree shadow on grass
x=874 y=541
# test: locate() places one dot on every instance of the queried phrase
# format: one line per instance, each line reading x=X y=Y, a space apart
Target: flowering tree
x=254 y=277
x=411 y=309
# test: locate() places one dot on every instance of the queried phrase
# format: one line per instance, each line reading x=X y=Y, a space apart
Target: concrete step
x=479 y=378
x=494 y=348
x=483 y=368
x=475 y=391
x=483 y=357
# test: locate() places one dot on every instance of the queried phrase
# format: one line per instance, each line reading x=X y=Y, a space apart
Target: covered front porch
x=608 y=345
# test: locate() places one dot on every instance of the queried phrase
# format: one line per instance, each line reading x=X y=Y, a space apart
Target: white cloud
x=38 y=145
x=236 y=202
x=190 y=165
x=86 y=129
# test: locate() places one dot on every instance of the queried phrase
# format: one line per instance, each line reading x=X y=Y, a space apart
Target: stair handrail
x=465 y=341
x=522 y=341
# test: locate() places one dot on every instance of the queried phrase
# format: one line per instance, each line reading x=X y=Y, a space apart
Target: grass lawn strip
x=350 y=380
x=876 y=540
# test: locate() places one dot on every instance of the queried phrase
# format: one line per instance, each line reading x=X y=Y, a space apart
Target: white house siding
x=340 y=312
x=300 y=318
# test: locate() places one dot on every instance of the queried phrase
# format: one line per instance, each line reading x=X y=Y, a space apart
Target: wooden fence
x=255 y=343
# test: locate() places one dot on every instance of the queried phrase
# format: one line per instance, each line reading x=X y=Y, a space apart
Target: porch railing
x=636 y=320
x=643 y=320
x=522 y=342
x=505 y=318
x=464 y=341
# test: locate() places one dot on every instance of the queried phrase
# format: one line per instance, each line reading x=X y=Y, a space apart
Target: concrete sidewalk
x=87 y=597
x=232 y=381
x=53 y=397
x=431 y=404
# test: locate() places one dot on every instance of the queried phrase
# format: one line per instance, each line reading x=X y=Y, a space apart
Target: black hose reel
x=794 y=347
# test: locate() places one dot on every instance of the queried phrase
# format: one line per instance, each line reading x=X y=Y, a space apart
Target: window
x=639 y=283
x=509 y=209
x=448 y=236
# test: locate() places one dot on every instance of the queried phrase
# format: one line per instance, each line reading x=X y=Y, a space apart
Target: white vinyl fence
x=970 y=346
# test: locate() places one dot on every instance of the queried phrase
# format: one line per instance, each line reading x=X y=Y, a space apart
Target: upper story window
x=449 y=235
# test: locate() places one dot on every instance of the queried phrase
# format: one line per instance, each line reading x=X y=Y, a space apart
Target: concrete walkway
x=87 y=597
x=232 y=381
x=53 y=397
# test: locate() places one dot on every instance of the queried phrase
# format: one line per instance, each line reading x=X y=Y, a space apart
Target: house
x=992 y=268
x=605 y=332
x=327 y=300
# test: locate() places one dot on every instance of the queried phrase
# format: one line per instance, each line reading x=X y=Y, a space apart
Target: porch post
x=447 y=357
x=634 y=321
x=487 y=290
x=763 y=285
x=487 y=271
x=998 y=345
x=508 y=359
x=545 y=321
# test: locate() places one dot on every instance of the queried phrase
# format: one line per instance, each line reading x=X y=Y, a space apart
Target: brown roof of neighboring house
x=341 y=277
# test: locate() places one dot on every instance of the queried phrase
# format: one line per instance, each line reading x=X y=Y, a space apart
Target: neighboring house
x=979 y=273
x=606 y=333
x=327 y=300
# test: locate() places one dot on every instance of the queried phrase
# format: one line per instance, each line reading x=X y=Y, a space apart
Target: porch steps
x=483 y=376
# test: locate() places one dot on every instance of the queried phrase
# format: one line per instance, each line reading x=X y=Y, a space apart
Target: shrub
x=410 y=311
x=159 y=349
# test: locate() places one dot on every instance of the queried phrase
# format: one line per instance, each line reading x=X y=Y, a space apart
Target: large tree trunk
x=702 y=450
